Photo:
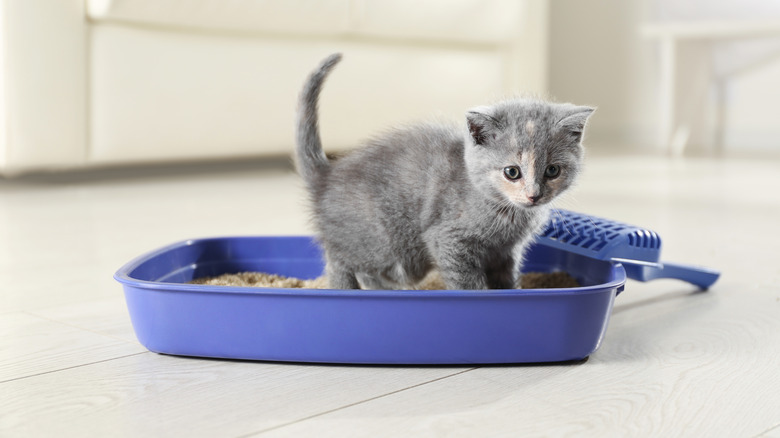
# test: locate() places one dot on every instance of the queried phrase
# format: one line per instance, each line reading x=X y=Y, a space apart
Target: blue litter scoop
x=637 y=249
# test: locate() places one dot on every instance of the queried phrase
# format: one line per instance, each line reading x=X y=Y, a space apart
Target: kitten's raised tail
x=310 y=158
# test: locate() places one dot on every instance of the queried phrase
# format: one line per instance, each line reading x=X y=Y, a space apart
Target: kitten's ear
x=575 y=117
x=482 y=126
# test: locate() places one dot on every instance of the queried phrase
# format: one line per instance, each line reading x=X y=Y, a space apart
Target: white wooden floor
x=674 y=362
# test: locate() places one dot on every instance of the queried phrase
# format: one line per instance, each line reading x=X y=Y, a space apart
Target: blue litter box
x=366 y=326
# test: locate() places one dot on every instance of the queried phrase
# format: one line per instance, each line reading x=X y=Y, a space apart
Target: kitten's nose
x=534 y=199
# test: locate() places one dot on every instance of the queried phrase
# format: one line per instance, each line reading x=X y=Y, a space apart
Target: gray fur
x=435 y=195
x=311 y=160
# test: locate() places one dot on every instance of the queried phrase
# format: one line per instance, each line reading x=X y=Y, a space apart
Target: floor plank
x=105 y=317
x=772 y=433
x=153 y=395
x=30 y=345
x=62 y=241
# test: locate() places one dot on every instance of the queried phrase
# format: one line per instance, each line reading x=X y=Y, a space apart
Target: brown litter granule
x=261 y=279
x=532 y=280
x=547 y=280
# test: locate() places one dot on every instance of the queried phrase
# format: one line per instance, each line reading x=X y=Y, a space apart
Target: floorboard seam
x=46 y=318
x=252 y=434
x=71 y=368
x=775 y=427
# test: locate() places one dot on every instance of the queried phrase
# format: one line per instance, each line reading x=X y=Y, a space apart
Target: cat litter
x=530 y=280
x=172 y=316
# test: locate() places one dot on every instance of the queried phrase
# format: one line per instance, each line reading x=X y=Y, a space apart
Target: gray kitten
x=466 y=200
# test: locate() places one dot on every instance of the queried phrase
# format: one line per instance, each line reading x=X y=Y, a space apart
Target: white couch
x=109 y=82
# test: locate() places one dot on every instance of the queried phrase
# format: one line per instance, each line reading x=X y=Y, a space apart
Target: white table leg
x=686 y=101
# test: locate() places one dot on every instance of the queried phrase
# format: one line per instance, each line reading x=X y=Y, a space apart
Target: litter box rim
x=123 y=276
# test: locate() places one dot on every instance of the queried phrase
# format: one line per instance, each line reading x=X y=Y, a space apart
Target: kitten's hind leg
x=340 y=278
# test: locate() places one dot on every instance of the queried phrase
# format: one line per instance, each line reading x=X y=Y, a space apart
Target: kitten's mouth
x=534 y=203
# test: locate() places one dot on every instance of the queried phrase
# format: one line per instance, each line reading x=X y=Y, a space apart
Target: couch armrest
x=43 y=83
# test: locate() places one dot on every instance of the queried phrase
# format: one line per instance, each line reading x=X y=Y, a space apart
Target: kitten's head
x=525 y=151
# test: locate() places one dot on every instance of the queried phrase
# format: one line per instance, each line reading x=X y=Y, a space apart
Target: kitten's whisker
x=554 y=222
x=506 y=209
x=596 y=229
x=566 y=228
x=561 y=221
x=495 y=225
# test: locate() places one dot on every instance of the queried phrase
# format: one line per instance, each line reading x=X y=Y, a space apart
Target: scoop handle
x=699 y=276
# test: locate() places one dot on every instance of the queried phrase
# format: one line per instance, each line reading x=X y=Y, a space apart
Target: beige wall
x=752 y=116
x=598 y=57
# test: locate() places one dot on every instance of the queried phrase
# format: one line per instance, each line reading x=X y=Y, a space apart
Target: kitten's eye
x=512 y=173
x=552 y=171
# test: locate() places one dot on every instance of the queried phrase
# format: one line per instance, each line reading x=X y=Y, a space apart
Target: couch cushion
x=303 y=17
x=470 y=21
x=159 y=95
